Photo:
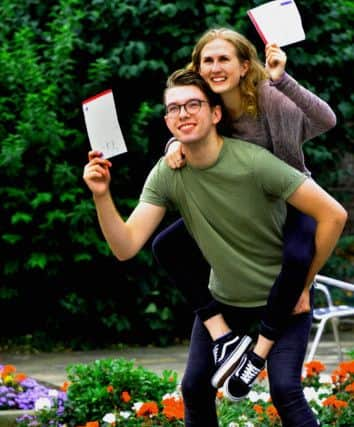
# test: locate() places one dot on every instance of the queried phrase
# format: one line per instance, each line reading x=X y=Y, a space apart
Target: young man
x=224 y=183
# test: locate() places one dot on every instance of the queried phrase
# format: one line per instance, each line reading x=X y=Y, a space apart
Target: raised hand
x=275 y=61
x=96 y=173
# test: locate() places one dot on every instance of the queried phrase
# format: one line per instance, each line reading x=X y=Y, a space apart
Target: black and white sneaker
x=227 y=352
x=238 y=385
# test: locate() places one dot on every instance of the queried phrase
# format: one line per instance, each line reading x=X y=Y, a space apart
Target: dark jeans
x=284 y=365
x=179 y=255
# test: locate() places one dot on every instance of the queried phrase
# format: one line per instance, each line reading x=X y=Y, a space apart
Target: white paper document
x=278 y=22
x=102 y=124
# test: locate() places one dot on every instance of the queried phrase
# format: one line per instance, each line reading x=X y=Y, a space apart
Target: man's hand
x=275 y=61
x=174 y=157
x=303 y=304
x=96 y=173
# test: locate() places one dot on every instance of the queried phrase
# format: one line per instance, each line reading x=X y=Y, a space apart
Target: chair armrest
x=325 y=291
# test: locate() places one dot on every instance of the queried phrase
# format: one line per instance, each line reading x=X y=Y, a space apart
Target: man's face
x=193 y=121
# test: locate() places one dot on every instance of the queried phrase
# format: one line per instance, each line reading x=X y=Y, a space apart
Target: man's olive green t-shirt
x=235 y=210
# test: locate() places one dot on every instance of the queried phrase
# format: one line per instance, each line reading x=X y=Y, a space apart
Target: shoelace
x=249 y=373
x=215 y=352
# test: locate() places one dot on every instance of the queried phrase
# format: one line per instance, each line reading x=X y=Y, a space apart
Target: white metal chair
x=330 y=312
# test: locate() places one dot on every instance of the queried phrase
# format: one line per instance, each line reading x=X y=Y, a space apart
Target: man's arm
x=330 y=216
x=124 y=238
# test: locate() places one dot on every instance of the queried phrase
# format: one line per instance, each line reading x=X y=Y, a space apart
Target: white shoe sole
x=230 y=364
x=228 y=395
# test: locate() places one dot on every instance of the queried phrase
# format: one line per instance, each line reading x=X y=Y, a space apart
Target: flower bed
x=109 y=393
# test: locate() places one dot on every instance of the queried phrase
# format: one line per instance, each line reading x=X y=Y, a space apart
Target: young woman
x=271 y=109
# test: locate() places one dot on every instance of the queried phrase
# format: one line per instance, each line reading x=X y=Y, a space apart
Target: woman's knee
x=169 y=240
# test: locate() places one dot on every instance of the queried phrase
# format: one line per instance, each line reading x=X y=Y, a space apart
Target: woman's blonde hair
x=245 y=51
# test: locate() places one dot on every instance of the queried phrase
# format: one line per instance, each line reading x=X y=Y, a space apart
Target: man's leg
x=284 y=365
x=198 y=393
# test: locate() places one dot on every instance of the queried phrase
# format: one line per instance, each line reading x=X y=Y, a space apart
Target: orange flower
x=272 y=412
x=148 y=409
x=92 y=424
x=20 y=377
x=334 y=402
x=173 y=408
x=7 y=369
x=64 y=387
x=314 y=368
x=349 y=388
x=125 y=396
x=329 y=401
x=258 y=409
x=343 y=372
x=110 y=388
x=262 y=375
x=219 y=394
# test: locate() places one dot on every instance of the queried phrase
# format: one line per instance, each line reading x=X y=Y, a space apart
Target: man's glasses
x=192 y=106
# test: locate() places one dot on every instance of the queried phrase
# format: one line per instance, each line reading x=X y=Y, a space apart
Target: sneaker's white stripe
x=225 y=346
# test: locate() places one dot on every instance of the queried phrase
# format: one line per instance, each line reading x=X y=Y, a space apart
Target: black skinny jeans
x=284 y=365
x=177 y=252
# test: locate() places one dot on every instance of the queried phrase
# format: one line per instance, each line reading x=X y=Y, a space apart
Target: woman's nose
x=215 y=66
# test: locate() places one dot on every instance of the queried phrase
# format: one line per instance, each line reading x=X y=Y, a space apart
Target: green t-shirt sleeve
x=155 y=189
x=276 y=177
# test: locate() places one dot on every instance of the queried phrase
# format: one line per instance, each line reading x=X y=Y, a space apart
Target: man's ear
x=217 y=114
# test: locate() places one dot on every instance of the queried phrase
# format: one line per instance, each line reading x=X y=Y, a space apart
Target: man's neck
x=203 y=154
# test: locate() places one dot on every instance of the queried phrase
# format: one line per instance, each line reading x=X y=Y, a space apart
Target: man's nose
x=183 y=111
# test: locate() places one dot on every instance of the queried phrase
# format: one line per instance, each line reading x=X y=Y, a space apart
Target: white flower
x=109 y=418
x=325 y=379
x=175 y=395
x=53 y=393
x=137 y=406
x=253 y=396
x=42 y=403
x=125 y=414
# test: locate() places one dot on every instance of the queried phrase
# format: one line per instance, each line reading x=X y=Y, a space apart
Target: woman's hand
x=303 y=303
x=96 y=173
x=275 y=61
x=174 y=157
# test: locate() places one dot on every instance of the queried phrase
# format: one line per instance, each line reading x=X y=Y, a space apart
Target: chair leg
x=335 y=322
x=316 y=339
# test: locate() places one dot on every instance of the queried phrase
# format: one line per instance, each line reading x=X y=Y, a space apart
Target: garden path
x=51 y=367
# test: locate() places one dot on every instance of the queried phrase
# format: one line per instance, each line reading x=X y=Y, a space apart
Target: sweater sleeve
x=318 y=117
x=293 y=115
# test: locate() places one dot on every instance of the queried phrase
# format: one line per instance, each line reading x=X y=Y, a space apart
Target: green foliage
x=55 y=54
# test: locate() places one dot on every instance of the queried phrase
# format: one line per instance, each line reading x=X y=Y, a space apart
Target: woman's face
x=220 y=67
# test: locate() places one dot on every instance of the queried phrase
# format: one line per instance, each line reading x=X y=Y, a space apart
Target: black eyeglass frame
x=188 y=107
